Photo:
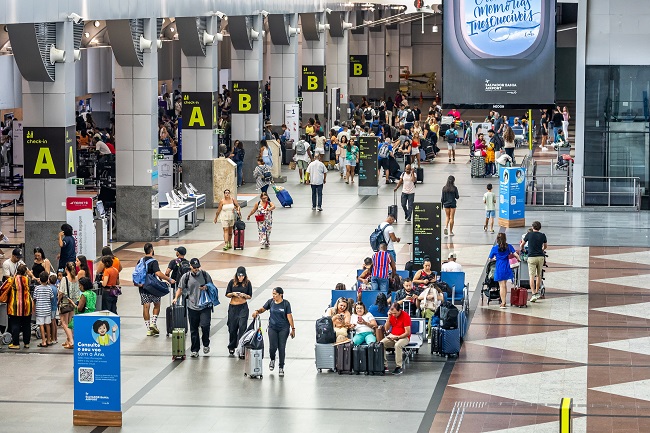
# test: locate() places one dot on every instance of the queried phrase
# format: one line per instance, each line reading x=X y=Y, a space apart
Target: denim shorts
x=490 y=214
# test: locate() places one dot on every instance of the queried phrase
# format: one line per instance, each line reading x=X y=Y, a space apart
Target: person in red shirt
x=455 y=113
x=399 y=324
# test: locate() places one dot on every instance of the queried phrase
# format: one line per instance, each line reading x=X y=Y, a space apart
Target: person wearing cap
x=10 y=265
x=239 y=291
x=192 y=283
x=67 y=245
x=451 y=265
x=179 y=266
x=268 y=133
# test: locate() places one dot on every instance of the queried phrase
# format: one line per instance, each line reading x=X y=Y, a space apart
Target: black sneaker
x=398 y=370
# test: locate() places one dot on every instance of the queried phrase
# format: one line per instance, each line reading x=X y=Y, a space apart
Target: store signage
x=79 y=214
x=50 y=153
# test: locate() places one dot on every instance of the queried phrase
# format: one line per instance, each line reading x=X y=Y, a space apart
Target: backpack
x=266 y=174
x=140 y=271
x=448 y=314
x=367 y=114
x=384 y=151
x=377 y=238
x=301 y=149
x=182 y=267
x=445 y=288
x=410 y=117
x=325 y=331
x=450 y=136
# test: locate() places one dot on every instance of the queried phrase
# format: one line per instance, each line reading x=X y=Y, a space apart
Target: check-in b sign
x=358 y=66
x=246 y=97
x=313 y=78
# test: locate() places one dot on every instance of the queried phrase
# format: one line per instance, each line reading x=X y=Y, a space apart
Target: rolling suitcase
x=253 y=363
x=518 y=294
x=477 y=168
x=175 y=318
x=392 y=209
x=419 y=172
x=462 y=324
x=325 y=357
x=238 y=239
x=344 y=358
x=284 y=197
x=430 y=152
x=449 y=341
x=178 y=343
x=360 y=359
x=376 y=358
x=436 y=342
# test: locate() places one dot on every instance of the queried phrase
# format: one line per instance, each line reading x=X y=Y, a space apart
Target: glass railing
x=628 y=111
x=602 y=191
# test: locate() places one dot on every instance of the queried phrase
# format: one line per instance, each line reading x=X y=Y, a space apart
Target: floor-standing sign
x=79 y=214
x=165 y=173
x=292 y=120
x=512 y=197
x=97 y=371
x=427 y=221
x=368 y=183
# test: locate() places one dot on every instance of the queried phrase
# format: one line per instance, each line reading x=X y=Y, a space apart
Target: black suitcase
x=360 y=359
x=175 y=317
x=436 y=341
x=392 y=209
x=344 y=358
x=376 y=358
x=420 y=175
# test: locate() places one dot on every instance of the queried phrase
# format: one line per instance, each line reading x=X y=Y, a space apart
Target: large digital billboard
x=499 y=53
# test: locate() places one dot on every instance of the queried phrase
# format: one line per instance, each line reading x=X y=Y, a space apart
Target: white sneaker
x=194 y=354
x=206 y=350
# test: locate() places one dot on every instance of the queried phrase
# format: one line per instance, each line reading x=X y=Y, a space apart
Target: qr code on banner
x=86 y=375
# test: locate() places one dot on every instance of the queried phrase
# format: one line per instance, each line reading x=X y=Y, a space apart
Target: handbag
x=154 y=286
x=514 y=263
x=67 y=306
x=259 y=217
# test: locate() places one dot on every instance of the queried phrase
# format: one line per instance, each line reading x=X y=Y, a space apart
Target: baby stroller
x=563 y=162
x=490 y=287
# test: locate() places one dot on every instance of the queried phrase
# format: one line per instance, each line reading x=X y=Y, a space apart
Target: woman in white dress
x=226 y=215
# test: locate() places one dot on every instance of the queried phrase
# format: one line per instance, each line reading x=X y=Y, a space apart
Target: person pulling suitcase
x=281 y=325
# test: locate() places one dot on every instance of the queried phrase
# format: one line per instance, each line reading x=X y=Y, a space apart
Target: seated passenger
x=340 y=314
x=380 y=307
x=451 y=265
x=424 y=276
x=364 y=277
x=407 y=295
x=398 y=327
x=431 y=299
x=364 y=325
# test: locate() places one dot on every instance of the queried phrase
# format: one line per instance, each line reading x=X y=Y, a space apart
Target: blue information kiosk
x=512 y=197
x=97 y=370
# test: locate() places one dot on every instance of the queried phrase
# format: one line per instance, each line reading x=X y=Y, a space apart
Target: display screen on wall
x=499 y=53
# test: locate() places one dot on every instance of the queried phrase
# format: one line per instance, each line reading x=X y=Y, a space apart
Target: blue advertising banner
x=512 y=197
x=97 y=374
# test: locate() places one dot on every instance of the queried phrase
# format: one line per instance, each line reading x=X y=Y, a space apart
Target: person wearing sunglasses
x=226 y=214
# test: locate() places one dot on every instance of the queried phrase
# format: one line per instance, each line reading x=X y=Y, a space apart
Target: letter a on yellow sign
x=71 y=160
x=196 y=117
x=44 y=162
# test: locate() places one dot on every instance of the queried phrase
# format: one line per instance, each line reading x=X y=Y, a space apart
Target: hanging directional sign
x=197 y=110
x=313 y=78
x=50 y=152
x=246 y=97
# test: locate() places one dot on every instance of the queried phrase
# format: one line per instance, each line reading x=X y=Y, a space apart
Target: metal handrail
x=533 y=186
x=634 y=190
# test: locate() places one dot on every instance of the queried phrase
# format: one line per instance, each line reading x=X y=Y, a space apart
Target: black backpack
x=410 y=117
x=367 y=114
x=181 y=268
x=325 y=331
x=451 y=137
x=445 y=288
x=448 y=314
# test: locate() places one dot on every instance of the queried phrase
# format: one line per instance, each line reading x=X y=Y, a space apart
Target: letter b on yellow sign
x=245 y=102
x=312 y=82
x=358 y=69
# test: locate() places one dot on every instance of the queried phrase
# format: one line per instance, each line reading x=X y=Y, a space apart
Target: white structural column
x=579 y=118
x=247 y=66
x=338 y=64
x=52 y=105
x=200 y=74
x=136 y=135
x=358 y=46
x=284 y=74
x=377 y=62
x=313 y=54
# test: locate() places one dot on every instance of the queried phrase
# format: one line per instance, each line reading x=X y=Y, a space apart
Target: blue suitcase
x=449 y=341
x=462 y=324
x=284 y=197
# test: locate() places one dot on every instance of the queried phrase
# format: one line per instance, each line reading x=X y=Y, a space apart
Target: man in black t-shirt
x=536 y=252
x=146 y=298
x=179 y=266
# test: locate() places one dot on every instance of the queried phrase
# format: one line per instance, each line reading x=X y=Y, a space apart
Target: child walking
x=55 y=309
x=43 y=299
x=490 y=200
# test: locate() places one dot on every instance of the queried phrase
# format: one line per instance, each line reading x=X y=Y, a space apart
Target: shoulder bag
x=66 y=306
